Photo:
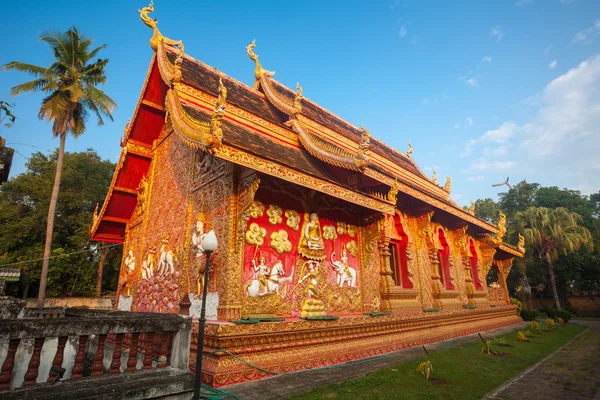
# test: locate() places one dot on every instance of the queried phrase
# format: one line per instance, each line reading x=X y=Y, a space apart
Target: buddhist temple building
x=332 y=246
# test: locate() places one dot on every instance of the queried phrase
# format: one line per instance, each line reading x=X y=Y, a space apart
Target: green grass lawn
x=458 y=373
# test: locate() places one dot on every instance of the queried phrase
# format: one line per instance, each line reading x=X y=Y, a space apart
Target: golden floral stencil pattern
x=329 y=232
x=280 y=242
x=351 y=229
x=352 y=247
x=275 y=212
x=255 y=235
x=293 y=219
x=341 y=228
x=256 y=209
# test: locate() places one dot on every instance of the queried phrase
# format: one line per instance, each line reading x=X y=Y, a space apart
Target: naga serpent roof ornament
x=207 y=136
x=171 y=73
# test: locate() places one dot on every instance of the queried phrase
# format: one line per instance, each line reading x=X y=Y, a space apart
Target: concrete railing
x=83 y=344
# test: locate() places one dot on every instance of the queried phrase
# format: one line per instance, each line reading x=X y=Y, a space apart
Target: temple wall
x=264 y=268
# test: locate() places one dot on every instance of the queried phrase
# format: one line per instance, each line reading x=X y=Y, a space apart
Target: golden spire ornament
x=409 y=151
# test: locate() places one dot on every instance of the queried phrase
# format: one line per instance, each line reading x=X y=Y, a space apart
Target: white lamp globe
x=210 y=242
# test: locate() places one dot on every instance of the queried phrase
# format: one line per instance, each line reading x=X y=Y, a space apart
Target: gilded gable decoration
x=447 y=185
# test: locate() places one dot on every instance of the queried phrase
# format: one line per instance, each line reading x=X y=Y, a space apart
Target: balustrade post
x=9 y=363
x=132 y=361
x=149 y=350
x=115 y=365
x=79 y=358
x=58 y=357
x=34 y=363
x=164 y=349
x=99 y=357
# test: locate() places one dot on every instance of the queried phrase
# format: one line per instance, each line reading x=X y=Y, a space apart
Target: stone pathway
x=279 y=387
x=571 y=373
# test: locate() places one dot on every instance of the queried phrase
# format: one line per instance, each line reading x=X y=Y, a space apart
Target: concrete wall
x=102 y=303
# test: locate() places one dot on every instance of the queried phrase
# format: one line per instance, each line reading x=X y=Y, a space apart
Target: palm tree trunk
x=50 y=225
x=552 y=280
x=103 y=254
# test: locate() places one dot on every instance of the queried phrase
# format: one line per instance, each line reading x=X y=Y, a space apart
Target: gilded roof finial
x=151 y=22
x=521 y=244
x=95 y=215
x=393 y=193
x=434 y=178
x=298 y=100
x=217 y=115
x=472 y=208
x=409 y=151
x=502 y=225
x=362 y=156
x=447 y=184
x=259 y=71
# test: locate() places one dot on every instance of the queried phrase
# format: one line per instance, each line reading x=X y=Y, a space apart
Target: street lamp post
x=209 y=244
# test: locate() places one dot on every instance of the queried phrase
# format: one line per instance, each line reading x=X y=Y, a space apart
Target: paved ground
x=571 y=373
x=279 y=387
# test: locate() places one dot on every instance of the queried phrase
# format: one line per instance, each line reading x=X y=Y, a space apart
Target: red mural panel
x=274 y=234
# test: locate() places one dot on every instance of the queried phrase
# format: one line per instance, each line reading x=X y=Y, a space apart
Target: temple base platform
x=297 y=344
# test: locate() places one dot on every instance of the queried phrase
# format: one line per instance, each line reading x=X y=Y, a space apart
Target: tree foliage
x=574 y=272
x=23 y=212
x=70 y=84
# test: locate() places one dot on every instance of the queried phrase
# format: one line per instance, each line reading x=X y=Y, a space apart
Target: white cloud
x=402 y=32
x=501 y=135
x=552 y=65
x=475 y=178
x=486 y=59
x=469 y=122
x=586 y=34
x=523 y=3
x=483 y=164
x=472 y=82
x=497 y=32
x=560 y=144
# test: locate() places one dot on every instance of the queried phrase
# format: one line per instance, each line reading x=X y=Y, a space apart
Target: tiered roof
x=271 y=129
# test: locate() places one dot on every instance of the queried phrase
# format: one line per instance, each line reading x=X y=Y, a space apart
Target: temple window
x=473 y=261
x=444 y=266
x=399 y=259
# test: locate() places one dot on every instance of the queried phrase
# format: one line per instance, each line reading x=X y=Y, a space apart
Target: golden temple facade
x=340 y=244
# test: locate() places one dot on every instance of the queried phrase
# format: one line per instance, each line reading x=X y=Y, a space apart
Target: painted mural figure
x=148 y=264
x=197 y=238
x=312 y=290
x=311 y=240
x=345 y=273
x=261 y=271
x=166 y=259
x=130 y=268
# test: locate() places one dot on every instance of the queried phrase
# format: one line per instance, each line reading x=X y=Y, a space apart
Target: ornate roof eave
x=99 y=216
x=197 y=134
x=317 y=147
x=324 y=151
x=283 y=172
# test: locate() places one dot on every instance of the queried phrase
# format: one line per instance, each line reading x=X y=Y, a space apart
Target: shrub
x=560 y=320
x=518 y=303
x=425 y=369
x=535 y=327
x=551 y=313
x=488 y=347
x=522 y=336
x=563 y=314
x=570 y=309
x=529 y=315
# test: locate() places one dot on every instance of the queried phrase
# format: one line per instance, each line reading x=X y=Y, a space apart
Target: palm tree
x=553 y=231
x=70 y=84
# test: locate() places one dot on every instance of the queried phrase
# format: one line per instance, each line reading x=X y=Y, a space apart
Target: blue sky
x=484 y=90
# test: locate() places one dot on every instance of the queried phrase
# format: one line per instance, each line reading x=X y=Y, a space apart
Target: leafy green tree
x=518 y=199
x=23 y=210
x=70 y=84
x=8 y=119
x=553 y=231
x=487 y=210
